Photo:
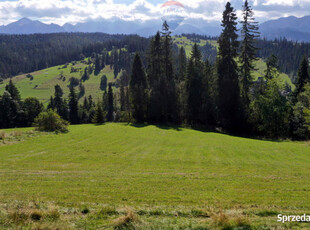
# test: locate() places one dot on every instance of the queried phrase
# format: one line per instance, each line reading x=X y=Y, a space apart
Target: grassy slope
x=42 y=86
x=157 y=168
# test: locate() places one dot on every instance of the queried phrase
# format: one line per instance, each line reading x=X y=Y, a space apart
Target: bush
x=50 y=121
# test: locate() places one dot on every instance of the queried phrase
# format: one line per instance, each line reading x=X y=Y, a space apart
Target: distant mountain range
x=292 y=28
x=27 y=26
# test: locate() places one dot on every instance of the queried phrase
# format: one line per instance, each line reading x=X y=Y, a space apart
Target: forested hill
x=28 y=53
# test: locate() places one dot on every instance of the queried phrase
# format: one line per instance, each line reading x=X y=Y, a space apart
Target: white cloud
x=73 y=11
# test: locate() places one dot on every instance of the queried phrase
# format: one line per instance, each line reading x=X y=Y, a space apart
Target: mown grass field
x=167 y=177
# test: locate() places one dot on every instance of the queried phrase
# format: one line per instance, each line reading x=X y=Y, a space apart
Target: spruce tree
x=249 y=33
x=99 y=116
x=73 y=107
x=182 y=61
x=97 y=64
x=302 y=78
x=227 y=71
x=157 y=110
x=12 y=89
x=59 y=103
x=110 y=103
x=168 y=88
x=138 y=91
x=103 y=83
x=194 y=87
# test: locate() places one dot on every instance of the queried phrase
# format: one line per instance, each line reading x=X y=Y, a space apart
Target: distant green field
x=171 y=178
x=42 y=86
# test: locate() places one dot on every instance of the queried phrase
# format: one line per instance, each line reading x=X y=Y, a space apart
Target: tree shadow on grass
x=160 y=126
x=205 y=129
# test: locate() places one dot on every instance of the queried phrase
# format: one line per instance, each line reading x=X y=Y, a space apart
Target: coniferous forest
x=160 y=84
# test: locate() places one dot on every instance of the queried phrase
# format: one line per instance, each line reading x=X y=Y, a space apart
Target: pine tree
x=157 y=110
x=168 y=88
x=249 y=33
x=51 y=104
x=104 y=83
x=137 y=91
x=182 y=61
x=59 y=103
x=194 y=87
x=73 y=107
x=110 y=104
x=272 y=67
x=12 y=89
x=97 y=64
x=85 y=75
x=227 y=71
x=302 y=78
x=99 y=116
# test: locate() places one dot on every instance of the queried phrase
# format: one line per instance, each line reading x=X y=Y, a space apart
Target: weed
x=126 y=222
x=53 y=215
x=2 y=135
x=266 y=213
x=36 y=215
x=18 y=217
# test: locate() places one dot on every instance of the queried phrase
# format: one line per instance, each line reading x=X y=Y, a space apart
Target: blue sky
x=73 y=11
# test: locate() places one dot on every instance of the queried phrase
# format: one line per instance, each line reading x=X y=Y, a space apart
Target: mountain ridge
x=292 y=28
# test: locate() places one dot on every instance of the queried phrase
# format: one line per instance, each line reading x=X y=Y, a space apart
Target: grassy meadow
x=149 y=177
x=42 y=85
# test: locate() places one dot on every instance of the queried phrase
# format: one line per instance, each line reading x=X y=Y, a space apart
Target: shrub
x=50 y=121
x=53 y=215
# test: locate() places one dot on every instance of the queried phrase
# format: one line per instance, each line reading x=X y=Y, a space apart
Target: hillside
x=42 y=85
x=168 y=176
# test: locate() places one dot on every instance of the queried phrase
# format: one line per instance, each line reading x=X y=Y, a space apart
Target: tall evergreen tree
x=302 y=78
x=272 y=67
x=249 y=33
x=104 y=83
x=12 y=89
x=97 y=64
x=157 y=110
x=99 y=116
x=110 y=103
x=73 y=107
x=194 y=87
x=168 y=87
x=59 y=103
x=138 y=91
x=182 y=62
x=227 y=71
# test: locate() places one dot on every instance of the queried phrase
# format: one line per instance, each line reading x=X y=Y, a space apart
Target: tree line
x=163 y=86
